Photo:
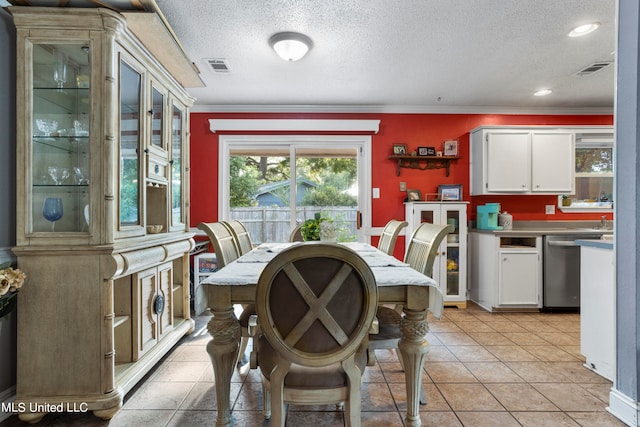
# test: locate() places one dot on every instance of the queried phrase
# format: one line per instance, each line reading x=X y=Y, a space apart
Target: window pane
x=594 y=160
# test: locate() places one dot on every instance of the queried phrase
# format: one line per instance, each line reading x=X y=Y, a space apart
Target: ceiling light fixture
x=290 y=46
x=542 y=92
x=583 y=30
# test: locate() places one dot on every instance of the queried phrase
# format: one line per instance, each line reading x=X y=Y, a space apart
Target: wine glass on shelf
x=59 y=175
x=60 y=69
x=47 y=127
x=52 y=210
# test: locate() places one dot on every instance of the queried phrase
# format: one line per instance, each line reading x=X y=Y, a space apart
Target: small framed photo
x=399 y=149
x=451 y=148
x=426 y=151
x=414 y=196
x=450 y=191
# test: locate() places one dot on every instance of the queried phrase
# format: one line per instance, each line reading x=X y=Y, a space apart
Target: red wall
x=411 y=129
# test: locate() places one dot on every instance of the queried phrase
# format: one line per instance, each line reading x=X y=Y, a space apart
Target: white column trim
x=305 y=125
x=623 y=407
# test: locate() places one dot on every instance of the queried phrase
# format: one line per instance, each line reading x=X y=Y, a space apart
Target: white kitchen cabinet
x=505 y=272
x=450 y=266
x=525 y=161
x=100 y=159
x=598 y=307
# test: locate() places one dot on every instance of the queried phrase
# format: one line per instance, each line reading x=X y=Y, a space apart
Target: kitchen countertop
x=593 y=243
x=540 y=228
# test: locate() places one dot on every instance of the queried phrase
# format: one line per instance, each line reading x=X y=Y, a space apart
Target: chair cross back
x=329 y=290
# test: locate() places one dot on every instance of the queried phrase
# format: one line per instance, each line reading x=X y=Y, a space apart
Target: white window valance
x=299 y=125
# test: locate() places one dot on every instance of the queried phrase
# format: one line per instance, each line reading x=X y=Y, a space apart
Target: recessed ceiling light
x=583 y=30
x=542 y=92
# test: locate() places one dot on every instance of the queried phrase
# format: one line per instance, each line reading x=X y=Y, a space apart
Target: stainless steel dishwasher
x=561 y=264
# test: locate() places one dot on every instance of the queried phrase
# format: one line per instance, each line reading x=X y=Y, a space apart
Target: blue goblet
x=52 y=210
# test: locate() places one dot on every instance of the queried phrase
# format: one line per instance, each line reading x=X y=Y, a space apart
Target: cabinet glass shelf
x=60 y=138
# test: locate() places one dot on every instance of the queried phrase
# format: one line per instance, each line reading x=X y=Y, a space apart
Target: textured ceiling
x=400 y=55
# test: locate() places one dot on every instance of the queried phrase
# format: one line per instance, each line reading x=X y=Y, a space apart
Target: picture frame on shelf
x=450 y=192
x=451 y=147
x=399 y=149
x=414 y=196
x=426 y=151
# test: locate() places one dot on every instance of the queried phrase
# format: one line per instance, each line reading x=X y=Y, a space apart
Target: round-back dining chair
x=316 y=303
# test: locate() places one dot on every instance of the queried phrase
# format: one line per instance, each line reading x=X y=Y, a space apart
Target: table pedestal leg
x=413 y=348
x=223 y=351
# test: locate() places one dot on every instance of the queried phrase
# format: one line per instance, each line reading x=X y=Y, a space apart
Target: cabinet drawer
x=157 y=168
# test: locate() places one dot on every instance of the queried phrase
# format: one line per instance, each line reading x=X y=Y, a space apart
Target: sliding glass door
x=274 y=183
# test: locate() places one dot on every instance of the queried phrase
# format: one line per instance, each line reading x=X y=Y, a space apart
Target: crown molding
x=398 y=109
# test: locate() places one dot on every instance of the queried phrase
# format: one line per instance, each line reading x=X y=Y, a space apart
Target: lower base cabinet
x=505 y=272
x=598 y=310
x=93 y=322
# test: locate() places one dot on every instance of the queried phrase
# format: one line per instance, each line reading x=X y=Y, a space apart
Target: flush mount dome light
x=290 y=46
x=542 y=92
x=583 y=30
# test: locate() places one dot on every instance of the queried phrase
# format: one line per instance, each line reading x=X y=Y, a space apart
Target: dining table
x=398 y=284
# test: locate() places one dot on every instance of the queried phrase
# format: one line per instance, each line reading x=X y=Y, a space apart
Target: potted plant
x=566 y=201
x=311 y=228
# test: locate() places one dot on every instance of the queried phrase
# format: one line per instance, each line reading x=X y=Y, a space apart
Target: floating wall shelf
x=423 y=162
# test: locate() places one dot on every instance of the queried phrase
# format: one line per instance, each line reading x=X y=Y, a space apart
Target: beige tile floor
x=483 y=369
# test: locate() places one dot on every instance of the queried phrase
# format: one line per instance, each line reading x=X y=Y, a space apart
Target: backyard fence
x=272 y=224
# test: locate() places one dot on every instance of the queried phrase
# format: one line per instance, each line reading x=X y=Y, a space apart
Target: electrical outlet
x=403 y=186
x=376 y=193
x=550 y=209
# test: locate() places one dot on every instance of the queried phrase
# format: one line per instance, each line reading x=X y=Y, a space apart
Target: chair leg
x=266 y=400
x=423 y=396
x=244 y=342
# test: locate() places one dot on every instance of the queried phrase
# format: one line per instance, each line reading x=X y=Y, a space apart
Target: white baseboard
x=623 y=408
x=7 y=396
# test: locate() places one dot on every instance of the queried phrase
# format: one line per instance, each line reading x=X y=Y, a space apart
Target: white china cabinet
x=102 y=215
x=450 y=266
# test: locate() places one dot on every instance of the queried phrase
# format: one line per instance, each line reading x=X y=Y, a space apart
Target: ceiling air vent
x=593 y=68
x=219 y=65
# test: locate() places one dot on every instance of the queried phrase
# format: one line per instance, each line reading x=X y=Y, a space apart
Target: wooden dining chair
x=241 y=236
x=222 y=240
x=226 y=250
x=387 y=242
x=296 y=234
x=315 y=304
x=421 y=254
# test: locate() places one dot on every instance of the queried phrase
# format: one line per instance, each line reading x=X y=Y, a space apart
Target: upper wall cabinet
x=520 y=160
x=102 y=220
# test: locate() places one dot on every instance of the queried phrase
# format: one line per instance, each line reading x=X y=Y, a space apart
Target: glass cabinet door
x=157 y=119
x=176 y=166
x=60 y=172
x=130 y=96
x=453 y=253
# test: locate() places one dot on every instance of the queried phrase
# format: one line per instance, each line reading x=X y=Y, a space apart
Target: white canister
x=505 y=219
